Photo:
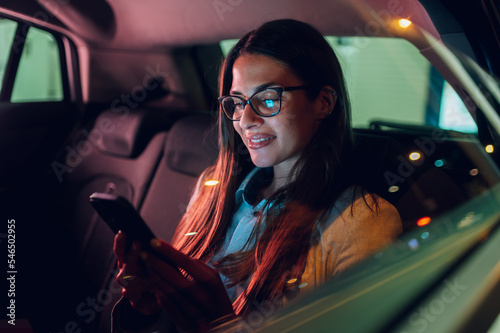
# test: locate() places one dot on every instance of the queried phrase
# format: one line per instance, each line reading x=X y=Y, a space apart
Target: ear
x=326 y=102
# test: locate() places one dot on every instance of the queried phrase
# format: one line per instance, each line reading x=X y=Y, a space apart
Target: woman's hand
x=194 y=298
x=137 y=287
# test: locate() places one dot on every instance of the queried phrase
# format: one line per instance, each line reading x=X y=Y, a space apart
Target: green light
x=439 y=163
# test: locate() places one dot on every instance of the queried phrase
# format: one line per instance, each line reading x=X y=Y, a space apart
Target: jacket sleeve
x=351 y=232
x=369 y=228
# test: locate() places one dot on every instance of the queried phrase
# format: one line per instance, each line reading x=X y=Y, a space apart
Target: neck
x=275 y=185
x=283 y=170
x=279 y=180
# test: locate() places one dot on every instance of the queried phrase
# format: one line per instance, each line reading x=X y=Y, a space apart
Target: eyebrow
x=261 y=87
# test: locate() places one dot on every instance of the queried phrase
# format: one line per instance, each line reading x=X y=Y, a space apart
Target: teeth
x=260 y=140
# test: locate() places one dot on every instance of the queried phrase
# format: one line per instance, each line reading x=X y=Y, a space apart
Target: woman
x=295 y=220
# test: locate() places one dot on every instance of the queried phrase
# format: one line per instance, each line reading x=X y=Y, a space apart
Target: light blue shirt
x=247 y=207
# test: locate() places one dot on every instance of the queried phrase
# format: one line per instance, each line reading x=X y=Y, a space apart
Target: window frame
x=64 y=46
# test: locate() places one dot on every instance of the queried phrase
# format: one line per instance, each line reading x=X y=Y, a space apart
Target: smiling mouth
x=257 y=143
x=261 y=140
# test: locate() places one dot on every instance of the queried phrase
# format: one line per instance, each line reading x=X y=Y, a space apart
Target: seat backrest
x=118 y=154
x=375 y=162
x=191 y=147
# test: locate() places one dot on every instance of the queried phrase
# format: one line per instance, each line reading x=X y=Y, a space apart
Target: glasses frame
x=246 y=101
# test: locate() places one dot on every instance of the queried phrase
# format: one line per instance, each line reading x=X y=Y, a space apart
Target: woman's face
x=275 y=141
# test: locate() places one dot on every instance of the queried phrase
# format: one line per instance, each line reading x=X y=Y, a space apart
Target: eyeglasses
x=265 y=103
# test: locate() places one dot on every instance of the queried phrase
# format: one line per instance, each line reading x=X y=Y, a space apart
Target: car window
x=7 y=31
x=389 y=78
x=39 y=74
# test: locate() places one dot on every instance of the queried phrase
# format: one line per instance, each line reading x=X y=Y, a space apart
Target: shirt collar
x=252 y=184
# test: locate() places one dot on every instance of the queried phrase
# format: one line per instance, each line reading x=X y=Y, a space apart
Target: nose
x=249 y=118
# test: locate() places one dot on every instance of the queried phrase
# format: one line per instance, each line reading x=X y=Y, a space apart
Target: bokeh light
x=423 y=221
x=404 y=23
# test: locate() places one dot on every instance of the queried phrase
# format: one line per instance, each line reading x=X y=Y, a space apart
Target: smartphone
x=119 y=214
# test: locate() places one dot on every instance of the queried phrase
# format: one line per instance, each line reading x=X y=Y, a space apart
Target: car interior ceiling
x=158 y=148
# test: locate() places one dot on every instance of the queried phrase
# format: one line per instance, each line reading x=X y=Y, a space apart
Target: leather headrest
x=127 y=134
x=191 y=145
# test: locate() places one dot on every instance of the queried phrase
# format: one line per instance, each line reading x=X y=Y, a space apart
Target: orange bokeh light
x=423 y=221
x=404 y=23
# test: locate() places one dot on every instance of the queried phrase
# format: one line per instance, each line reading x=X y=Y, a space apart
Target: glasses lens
x=232 y=106
x=266 y=102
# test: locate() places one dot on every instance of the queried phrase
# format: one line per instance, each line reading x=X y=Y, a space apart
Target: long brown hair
x=320 y=175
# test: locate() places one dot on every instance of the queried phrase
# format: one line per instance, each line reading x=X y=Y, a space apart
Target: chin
x=261 y=163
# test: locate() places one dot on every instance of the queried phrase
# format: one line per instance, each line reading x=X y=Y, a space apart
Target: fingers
x=165 y=272
x=208 y=298
x=132 y=259
x=206 y=279
x=129 y=266
x=119 y=247
x=136 y=285
x=188 y=289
